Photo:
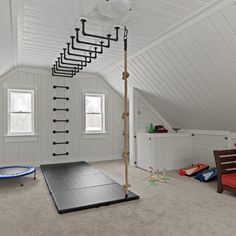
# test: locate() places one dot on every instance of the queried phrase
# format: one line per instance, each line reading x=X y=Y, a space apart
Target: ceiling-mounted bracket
x=80 y=66
x=75 y=60
x=116 y=38
x=54 y=73
x=86 y=50
x=81 y=55
x=90 y=43
x=75 y=54
x=76 y=69
x=63 y=70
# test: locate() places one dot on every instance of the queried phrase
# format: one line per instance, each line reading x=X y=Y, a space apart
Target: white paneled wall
x=88 y=148
x=204 y=142
x=146 y=114
x=204 y=145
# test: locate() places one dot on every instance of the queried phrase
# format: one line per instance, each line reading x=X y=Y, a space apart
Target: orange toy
x=194 y=169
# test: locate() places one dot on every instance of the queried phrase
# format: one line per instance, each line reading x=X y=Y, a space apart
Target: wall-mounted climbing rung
x=60 y=154
x=60 y=131
x=60 y=109
x=62 y=98
x=59 y=86
x=60 y=120
x=58 y=143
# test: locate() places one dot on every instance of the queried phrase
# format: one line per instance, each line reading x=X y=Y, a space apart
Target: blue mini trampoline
x=9 y=172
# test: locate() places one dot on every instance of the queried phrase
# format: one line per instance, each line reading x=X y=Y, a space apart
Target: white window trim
x=25 y=136
x=93 y=134
x=26 y=91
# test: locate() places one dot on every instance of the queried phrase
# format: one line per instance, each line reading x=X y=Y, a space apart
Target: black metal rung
x=61 y=74
x=60 y=131
x=59 y=86
x=60 y=154
x=57 y=143
x=60 y=120
x=116 y=38
x=60 y=109
x=65 y=98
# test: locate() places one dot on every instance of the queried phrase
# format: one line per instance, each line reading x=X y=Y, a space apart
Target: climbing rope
x=125 y=116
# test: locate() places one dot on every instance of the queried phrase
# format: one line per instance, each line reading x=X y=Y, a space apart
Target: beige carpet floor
x=183 y=206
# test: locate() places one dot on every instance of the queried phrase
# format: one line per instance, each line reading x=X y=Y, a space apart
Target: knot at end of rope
x=126 y=187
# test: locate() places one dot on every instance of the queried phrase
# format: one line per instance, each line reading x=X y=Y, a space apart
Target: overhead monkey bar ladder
x=64 y=67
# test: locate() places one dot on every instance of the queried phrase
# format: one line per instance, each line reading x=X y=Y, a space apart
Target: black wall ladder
x=60 y=120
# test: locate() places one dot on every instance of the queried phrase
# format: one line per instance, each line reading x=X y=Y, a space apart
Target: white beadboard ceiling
x=190 y=76
x=33 y=32
x=6 y=37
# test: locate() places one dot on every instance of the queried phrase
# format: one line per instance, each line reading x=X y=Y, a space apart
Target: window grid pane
x=20 y=123
x=93 y=104
x=20 y=102
x=93 y=122
x=94 y=113
x=20 y=110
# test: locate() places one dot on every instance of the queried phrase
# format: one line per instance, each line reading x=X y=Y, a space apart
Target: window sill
x=21 y=137
x=94 y=135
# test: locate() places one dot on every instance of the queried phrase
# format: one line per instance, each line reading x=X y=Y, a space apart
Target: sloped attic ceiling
x=6 y=38
x=33 y=32
x=189 y=75
x=182 y=52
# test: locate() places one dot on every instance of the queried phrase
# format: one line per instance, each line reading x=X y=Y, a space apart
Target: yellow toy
x=155 y=176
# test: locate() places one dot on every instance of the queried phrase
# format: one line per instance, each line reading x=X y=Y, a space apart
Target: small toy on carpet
x=193 y=170
x=155 y=176
x=155 y=183
x=207 y=175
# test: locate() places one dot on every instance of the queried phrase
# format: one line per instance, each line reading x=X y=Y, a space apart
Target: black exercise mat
x=77 y=186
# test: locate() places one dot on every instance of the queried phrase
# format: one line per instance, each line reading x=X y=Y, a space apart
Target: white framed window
x=94 y=113
x=20 y=112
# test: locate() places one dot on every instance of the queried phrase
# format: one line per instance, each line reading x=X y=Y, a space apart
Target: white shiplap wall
x=81 y=148
x=146 y=114
x=204 y=142
x=204 y=145
x=191 y=72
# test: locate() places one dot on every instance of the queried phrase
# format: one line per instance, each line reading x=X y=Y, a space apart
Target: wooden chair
x=226 y=167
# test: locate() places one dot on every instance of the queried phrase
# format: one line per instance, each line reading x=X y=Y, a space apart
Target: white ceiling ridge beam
x=16 y=12
x=183 y=25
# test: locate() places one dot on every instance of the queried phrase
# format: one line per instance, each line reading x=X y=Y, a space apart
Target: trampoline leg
x=35 y=174
x=21 y=182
